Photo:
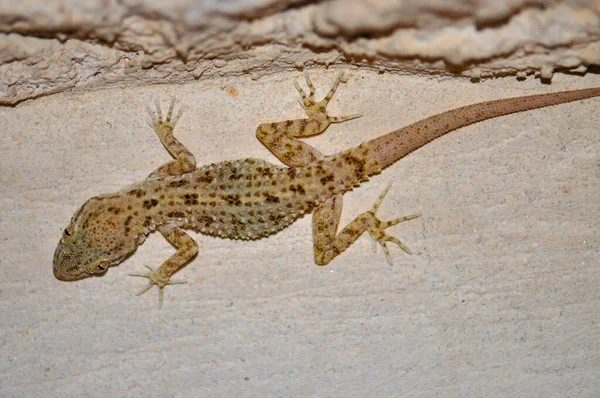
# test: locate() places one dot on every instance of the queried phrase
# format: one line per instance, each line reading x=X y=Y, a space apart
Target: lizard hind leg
x=317 y=110
x=282 y=138
x=328 y=244
x=378 y=233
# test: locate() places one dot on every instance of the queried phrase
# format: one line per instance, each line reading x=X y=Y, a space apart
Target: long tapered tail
x=393 y=146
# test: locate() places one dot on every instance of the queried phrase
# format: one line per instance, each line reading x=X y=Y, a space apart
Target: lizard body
x=251 y=198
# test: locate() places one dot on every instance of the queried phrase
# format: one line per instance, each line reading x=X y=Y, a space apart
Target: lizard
x=250 y=198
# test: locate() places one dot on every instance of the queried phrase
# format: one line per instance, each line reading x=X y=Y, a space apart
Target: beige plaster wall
x=500 y=298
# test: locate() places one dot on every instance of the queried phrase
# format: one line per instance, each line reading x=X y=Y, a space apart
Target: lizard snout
x=65 y=265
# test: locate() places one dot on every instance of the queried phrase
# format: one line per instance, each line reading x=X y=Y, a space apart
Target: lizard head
x=98 y=236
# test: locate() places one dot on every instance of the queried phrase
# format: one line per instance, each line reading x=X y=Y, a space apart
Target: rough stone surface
x=49 y=47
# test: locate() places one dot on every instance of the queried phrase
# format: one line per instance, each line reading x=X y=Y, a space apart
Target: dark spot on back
x=232 y=199
x=190 y=199
x=270 y=198
x=179 y=183
x=206 y=220
x=326 y=179
x=150 y=203
x=291 y=173
x=206 y=178
x=297 y=188
x=138 y=193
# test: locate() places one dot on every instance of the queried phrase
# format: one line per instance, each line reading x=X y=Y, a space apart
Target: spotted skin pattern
x=251 y=198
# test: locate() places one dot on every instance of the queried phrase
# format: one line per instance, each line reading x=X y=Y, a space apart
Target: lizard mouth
x=67 y=277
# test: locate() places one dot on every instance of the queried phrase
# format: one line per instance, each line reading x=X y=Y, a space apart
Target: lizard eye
x=103 y=266
x=69 y=230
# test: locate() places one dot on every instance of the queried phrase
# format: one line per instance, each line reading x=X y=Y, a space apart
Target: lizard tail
x=393 y=146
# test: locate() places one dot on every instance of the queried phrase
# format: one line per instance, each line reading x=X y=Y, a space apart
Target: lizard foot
x=316 y=110
x=156 y=278
x=378 y=234
x=156 y=119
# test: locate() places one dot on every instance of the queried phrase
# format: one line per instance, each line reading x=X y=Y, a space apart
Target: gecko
x=252 y=199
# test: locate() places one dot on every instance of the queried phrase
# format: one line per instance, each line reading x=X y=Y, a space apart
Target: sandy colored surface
x=500 y=299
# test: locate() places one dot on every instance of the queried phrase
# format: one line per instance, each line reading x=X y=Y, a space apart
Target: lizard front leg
x=186 y=249
x=184 y=160
x=281 y=138
x=328 y=244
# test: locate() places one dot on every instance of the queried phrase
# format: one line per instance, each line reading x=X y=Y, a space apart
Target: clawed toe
x=341 y=119
x=316 y=110
x=156 y=117
x=155 y=279
x=378 y=232
x=383 y=238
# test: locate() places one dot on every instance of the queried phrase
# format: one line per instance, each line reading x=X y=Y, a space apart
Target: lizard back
x=247 y=198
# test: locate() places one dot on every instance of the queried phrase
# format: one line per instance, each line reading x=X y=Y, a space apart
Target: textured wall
x=500 y=298
x=52 y=46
